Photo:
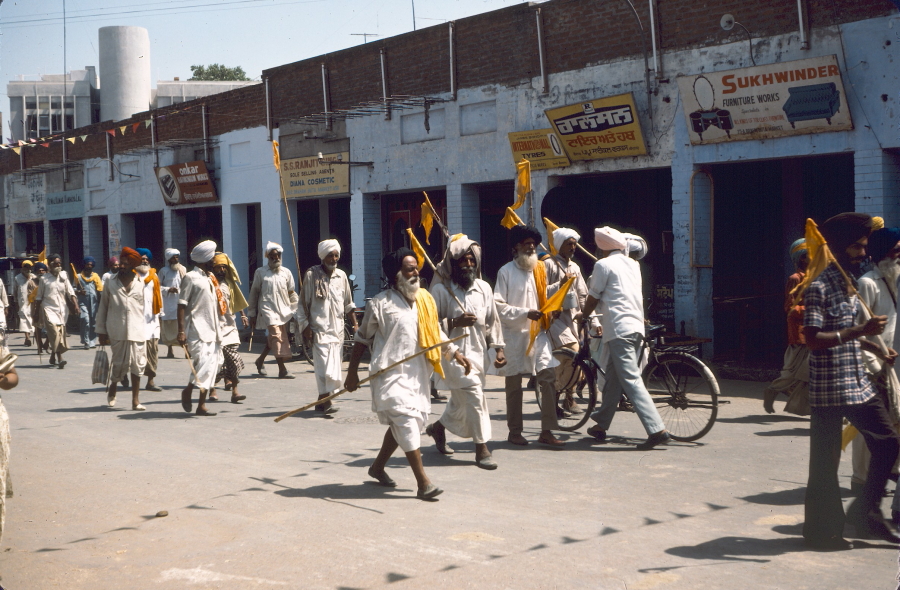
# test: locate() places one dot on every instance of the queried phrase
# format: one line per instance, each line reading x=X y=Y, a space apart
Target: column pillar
x=235 y=238
x=464 y=210
x=877 y=180
x=365 y=237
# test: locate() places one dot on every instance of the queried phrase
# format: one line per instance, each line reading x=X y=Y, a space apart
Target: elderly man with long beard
x=199 y=307
x=23 y=287
x=399 y=322
x=466 y=415
x=54 y=299
x=121 y=324
x=325 y=300
x=520 y=292
x=272 y=296
x=169 y=280
x=152 y=307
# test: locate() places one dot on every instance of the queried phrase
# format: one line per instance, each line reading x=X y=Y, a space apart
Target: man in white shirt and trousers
x=22 y=281
x=199 y=307
x=616 y=286
x=272 y=301
x=399 y=322
x=169 y=281
x=518 y=303
x=54 y=298
x=325 y=300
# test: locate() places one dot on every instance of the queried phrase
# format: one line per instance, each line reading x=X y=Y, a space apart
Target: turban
x=459 y=246
x=883 y=241
x=144 y=252
x=845 y=229
x=237 y=302
x=391 y=263
x=326 y=247
x=53 y=257
x=608 y=238
x=113 y=260
x=204 y=251
x=562 y=234
x=877 y=223
x=170 y=252
x=40 y=266
x=131 y=255
x=273 y=246
x=88 y=259
x=27 y=263
x=637 y=246
x=798 y=249
x=520 y=233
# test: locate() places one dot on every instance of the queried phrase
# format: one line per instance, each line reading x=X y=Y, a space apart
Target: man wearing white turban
x=616 y=286
x=564 y=329
x=170 y=277
x=325 y=300
x=199 y=307
x=272 y=301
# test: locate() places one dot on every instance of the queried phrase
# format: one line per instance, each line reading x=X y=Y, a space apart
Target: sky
x=253 y=34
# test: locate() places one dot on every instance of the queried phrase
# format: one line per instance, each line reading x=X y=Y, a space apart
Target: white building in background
x=38 y=108
x=125 y=71
x=169 y=92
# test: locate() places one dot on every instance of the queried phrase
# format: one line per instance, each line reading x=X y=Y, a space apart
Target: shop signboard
x=600 y=128
x=311 y=177
x=541 y=147
x=65 y=205
x=183 y=184
x=762 y=102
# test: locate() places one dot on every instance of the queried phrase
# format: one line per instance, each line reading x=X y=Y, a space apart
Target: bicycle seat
x=655 y=331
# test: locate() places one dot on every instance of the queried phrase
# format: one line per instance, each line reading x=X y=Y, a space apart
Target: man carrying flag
x=520 y=293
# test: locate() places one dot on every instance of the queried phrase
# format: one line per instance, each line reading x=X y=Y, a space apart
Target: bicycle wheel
x=685 y=392
x=347 y=346
x=576 y=394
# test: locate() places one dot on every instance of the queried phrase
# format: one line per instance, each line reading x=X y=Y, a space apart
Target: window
x=56 y=121
x=43 y=102
x=55 y=102
x=70 y=102
x=43 y=125
x=30 y=102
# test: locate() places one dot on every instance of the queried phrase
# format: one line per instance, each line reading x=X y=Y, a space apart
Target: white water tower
x=124 y=72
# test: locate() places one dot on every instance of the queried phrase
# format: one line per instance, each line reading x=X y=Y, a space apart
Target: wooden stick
x=187 y=355
x=583 y=249
x=367 y=379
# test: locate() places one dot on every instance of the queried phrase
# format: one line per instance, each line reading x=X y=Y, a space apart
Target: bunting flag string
x=71 y=140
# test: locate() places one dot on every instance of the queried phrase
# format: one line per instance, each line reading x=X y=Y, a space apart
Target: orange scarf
x=223 y=305
x=157 y=294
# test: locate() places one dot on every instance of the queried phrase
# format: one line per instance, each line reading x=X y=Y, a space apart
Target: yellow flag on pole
x=42 y=257
x=551 y=227
x=820 y=257
x=416 y=247
x=276 y=158
x=427 y=219
x=553 y=304
x=510 y=220
x=523 y=182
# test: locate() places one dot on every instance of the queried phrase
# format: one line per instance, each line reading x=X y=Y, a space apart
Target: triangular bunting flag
x=84 y=138
x=135 y=126
x=123 y=128
x=147 y=123
x=71 y=140
x=111 y=132
x=18 y=150
x=45 y=144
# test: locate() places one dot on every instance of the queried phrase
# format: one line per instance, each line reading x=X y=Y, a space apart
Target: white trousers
x=206 y=358
x=467 y=415
x=327 y=364
x=406 y=426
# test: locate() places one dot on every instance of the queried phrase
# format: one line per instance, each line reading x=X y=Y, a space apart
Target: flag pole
x=421 y=250
x=287 y=211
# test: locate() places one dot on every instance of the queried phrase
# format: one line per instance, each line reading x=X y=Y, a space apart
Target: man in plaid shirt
x=839 y=387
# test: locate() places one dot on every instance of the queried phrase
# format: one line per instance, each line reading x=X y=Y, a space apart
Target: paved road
x=254 y=504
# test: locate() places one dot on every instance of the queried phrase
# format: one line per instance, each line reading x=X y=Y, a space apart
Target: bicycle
x=682 y=387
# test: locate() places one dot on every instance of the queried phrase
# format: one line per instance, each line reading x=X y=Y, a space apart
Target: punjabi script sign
x=601 y=128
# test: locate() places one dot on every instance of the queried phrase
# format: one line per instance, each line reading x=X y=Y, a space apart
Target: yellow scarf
x=429 y=328
x=157 y=294
x=547 y=306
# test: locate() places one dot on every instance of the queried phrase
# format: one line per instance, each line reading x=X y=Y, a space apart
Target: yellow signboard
x=541 y=147
x=304 y=178
x=600 y=128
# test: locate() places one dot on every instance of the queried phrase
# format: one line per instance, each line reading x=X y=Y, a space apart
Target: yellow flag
x=553 y=304
x=523 y=182
x=18 y=150
x=123 y=128
x=551 y=227
x=416 y=247
x=276 y=158
x=427 y=218
x=42 y=257
x=847 y=435
x=71 y=140
x=510 y=220
x=820 y=257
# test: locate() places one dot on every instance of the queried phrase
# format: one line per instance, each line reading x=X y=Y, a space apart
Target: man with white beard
x=878 y=288
x=520 y=292
x=325 y=300
x=152 y=307
x=399 y=322
x=169 y=280
x=272 y=296
x=53 y=300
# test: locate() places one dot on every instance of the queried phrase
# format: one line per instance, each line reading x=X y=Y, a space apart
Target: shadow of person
x=764 y=419
x=739 y=549
x=785 y=432
x=338 y=491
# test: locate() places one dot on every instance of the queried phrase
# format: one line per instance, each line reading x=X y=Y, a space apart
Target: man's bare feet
x=202 y=411
x=186 y=398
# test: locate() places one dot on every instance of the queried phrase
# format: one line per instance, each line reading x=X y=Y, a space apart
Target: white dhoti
x=206 y=357
x=25 y=323
x=327 y=364
x=128 y=358
x=467 y=415
x=406 y=426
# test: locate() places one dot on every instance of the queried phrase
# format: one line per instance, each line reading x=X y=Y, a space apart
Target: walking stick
x=187 y=356
x=367 y=379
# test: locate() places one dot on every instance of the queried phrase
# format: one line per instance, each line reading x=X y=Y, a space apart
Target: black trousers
x=824 y=511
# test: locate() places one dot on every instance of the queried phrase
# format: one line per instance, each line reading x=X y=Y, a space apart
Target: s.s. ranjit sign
x=777 y=100
x=600 y=128
x=310 y=177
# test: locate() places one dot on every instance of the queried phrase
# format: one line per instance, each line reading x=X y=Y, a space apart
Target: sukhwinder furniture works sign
x=311 y=177
x=541 y=147
x=776 y=100
x=600 y=128
x=186 y=183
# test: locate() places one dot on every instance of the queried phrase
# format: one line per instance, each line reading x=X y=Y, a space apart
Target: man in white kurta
x=272 y=301
x=152 y=309
x=54 y=297
x=198 y=325
x=466 y=414
x=22 y=290
x=517 y=302
x=121 y=324
x=325 y=300
x=393 y=330
x=169 y=281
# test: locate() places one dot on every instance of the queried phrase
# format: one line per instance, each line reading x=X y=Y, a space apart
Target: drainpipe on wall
x=801 y=16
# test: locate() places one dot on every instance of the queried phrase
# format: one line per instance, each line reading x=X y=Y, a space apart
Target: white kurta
x=201 y=319
x=52 y=292
x=563 y=330
x=21 y=292
x=151 y=319
x=616 y=284
x=121 y=317
x=169 y=278
x=516 y=294
x=270 y=297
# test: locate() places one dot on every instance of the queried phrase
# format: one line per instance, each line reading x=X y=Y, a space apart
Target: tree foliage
x=218 y=72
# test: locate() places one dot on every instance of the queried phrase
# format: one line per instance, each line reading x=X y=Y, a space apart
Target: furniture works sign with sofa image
x=789 y=98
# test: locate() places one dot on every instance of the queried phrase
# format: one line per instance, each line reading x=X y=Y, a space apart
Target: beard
x=174 y=265
x=56 y=270
x=409 y=288
x=274 y=265
x=143 y=269
x=526 y=261
x=329 y=267
x=220 y=276
x=465 y=278
x=890 y=270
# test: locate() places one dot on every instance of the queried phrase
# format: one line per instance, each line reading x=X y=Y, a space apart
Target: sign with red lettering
x=776 y=100
x=600 y=128
x=186 y=183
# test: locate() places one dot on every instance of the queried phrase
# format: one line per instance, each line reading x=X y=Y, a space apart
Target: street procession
x=458 y=305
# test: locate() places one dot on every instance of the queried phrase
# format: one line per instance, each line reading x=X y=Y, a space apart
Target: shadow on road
x=786 y=432
x=739 y=549
x=763 y=419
